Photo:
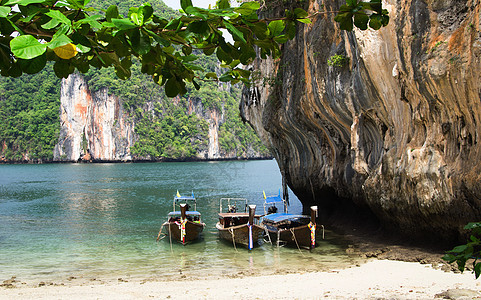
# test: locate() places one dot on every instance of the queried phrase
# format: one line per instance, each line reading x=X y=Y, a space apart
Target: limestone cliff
x=94 y=126
x=393 y=130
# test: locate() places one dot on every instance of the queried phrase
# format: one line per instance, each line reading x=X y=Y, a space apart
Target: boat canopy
x=273 y=199
x=183 y=198
x=189 y=213
x=280 y=217
x=178 y=199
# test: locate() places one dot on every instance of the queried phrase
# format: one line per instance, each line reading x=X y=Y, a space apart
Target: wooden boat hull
x=296 y=237
x=192 y=231
x=240 y=234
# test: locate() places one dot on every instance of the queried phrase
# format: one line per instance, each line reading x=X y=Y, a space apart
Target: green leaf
x=185 y=3
x=188 y=58
x=140 y=42
x=477 y=270
x=305 y=21
x=351 y=2
x=112 y=13
x=35 y=65
x=4 y=11
x=200 y=27
x=459 y=249
x=123 y=24
x=63 y=68
x=300 y=13
x=226 y=77
x=82 y=48
x=221 y=4
x=147 y=11
x=23 y=2
x=27 y=47
x=259 y=29
x=223 y=56
x=91 y=20
x=159 y=39
x=276 y=28
x=345 y=21
x=59 y=41
x=247 y=8
x=187 y=50
x=375 y=22
x=172 y=87
x=360 y=20
x=196 y=85
x=51 y=24
x=234 y=31
x=472 y=225
x=57 y=15
x=211 y=75
x=281 y=39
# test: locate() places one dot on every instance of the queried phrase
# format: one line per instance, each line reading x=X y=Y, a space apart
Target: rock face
x=94 y=126
x=394 y=130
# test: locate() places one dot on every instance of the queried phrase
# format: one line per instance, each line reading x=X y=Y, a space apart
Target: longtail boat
x=184 y=225
x=239 y=227
x=289 y=229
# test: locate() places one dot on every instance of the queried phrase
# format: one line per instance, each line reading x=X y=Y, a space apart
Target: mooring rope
x=160 y=232
x=268 y=235
x=233 y=238
x=294 y=235
x=170 y=238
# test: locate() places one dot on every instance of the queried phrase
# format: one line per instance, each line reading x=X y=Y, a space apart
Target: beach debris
x=459 y=294
x=9 y=283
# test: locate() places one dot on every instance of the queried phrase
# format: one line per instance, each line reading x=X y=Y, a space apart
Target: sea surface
x=100 y=221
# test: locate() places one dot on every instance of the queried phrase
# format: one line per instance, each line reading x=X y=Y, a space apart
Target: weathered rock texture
x=94 y=126
x=395 y=130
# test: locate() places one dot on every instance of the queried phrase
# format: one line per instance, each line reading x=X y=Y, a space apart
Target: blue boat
x=288 y=229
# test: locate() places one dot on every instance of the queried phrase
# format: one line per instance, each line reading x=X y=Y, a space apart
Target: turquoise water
x=102 y=220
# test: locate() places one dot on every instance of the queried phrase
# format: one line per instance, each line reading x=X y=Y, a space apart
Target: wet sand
x=373 y=279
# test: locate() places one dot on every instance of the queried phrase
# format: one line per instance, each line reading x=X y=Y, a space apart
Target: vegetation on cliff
x=29 y=110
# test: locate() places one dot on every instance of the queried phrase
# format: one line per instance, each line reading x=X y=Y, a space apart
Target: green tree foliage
x=29 y=110
x=471 y=251
x=174 y=136
x=75 y=36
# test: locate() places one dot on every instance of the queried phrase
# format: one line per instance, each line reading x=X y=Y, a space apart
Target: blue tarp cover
x=184 y=198
x=278 y=217
x=273 y=199
x=189 y=213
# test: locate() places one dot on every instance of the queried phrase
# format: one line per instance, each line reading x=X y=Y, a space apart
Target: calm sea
x=59 y=221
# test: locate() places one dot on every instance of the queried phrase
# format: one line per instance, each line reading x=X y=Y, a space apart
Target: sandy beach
x=385 y=279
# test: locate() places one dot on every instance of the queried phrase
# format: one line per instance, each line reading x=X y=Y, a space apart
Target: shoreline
x=373 y=279
x=129 y=161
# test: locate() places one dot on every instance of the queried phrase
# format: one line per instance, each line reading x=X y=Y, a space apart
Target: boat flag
x=251 y=241
x=193 y=194
x=178 y=195
x=263 y=192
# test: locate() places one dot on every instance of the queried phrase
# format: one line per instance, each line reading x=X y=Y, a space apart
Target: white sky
x=175 y=4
